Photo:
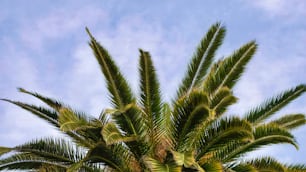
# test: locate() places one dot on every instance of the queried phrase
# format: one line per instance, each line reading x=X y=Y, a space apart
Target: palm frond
x=295 y=167
x=165 y=127
x=267 y=164
x=56 y=105
x=243 y=167
x=82 y=128
x=111 y=135
x=119 y=90
x=155 y=165
x=51 y=117
x=223 y=132
x=229 y=69
x=186 y=159
x=222 y=100
x=72 y=121
x=133 y=112
x=4 y=150
x=290 y=121
x=150 y=98
x=213 y=166
x=263 y=135
x=274 y=104
x=164 y=139
x=189 y=111
x=28 y=161
x=41 y=112
x=223 y=151
x=115 y=156
x=202 y=59
x=57 y=150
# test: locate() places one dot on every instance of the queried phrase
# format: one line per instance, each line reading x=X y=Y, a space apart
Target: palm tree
x=144 y=133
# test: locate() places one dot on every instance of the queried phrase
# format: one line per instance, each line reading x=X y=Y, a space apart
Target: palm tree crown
x=143 y=133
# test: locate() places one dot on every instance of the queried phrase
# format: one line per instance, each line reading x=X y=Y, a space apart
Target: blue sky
x=43 y=47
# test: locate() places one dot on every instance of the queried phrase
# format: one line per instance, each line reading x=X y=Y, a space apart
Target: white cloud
x=57 y=24
x=20 y=126
x=281 y=8
x=19 y=69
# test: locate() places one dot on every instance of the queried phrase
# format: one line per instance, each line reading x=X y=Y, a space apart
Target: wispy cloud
x=291 y=10
x=57 y=24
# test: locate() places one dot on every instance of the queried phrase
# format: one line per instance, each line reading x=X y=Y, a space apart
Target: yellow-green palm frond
x=290 y=121
x=229 y=70
x=202 y=59
x=263 y=135
x=274 y=104
x=222 y=133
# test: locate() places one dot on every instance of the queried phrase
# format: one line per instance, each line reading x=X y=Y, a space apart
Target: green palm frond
x=267 y=164
x=48 y=115
x=4 y=150
x=290 y=121
x=57 y=150
x=222 y=100
x=85 y=129
x=202 y=59
x=295 y=168
x=155 y=165
x=223 y=132
x=118 y=87
x=115 y=156
x=166 y=126
x=120 y=92
x=164 y=140
x=243 y=167
x=56 y=105
x=263 y=135
x=213 y=166
x=189 y=111
x=111 y=135
x=150 y=98
x=28 y=161
x=222 y=153
x=229 y=69
x=51 y=117
x=185 y=159
x=274 y=104
x=104 y=117
x=73 y=121
x=138 y=146
x=44 y=153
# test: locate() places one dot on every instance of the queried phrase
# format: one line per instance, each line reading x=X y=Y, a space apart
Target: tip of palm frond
x=22 y=90
x=141 y=51
x=4 y=150
x=303 y=86
x=218 y=23
x=6 y=100
x=295 y=144
x=89 y=33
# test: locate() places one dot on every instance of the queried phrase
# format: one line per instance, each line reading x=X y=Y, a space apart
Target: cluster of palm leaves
x=144 y=133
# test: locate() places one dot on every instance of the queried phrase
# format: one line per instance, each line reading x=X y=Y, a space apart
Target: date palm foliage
x=142 y=133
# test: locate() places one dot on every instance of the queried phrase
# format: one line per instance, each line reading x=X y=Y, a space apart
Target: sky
x=44 y=48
